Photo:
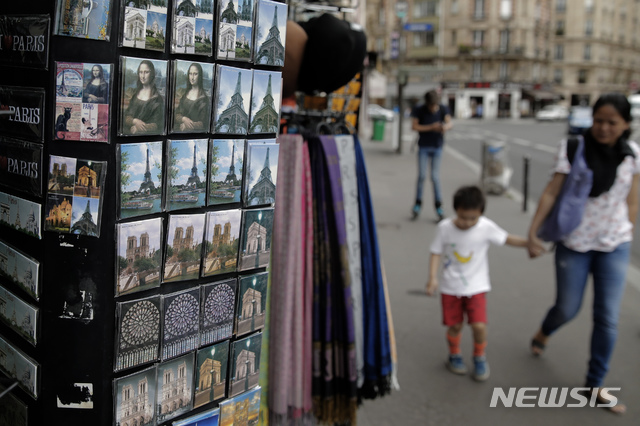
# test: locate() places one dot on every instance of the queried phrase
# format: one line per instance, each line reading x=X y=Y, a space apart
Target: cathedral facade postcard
x=222 y=240
x=137 y=332
x=218 y=302
x=180 y=319
x=139 y=256
x=134 y=398
x=175 y=387
x=235 y=30
x=183 y=254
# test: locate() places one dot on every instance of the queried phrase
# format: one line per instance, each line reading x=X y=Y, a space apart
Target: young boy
x=462 y=243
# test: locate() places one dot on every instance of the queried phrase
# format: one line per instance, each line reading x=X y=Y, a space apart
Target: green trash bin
x=378 y=130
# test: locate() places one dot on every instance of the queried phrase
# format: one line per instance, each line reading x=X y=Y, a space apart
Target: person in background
x=462 y=244
x=431 y=120
x=601 y=244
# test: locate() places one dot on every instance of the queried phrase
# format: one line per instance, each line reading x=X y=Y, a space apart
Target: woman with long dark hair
x=601 y=244
x=193 y=113
x=145 y=113
x=97 y=89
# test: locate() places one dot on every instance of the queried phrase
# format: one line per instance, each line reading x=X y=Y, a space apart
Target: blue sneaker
x=481 y=372
x=415 y=211
x=455 y=364
x=440 y=213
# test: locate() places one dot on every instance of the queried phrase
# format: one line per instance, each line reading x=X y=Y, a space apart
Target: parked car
x=552 y=113
x=580 y=119
x=376 y=112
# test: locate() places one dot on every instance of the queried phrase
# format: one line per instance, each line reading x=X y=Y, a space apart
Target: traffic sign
x=417 y=26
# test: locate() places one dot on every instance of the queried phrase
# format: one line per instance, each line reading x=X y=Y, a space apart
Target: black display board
x=77 y=306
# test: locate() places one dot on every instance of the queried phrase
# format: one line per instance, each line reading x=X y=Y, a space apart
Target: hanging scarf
x=604 y=160
x=377 y=348
x=288 y=327
x=352 y=218
x=307 y=277
x=335 y=393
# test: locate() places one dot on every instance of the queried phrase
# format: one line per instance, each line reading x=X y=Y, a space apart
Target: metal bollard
x=525 y=183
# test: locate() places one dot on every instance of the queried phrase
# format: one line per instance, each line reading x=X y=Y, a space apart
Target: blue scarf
x=377 y=346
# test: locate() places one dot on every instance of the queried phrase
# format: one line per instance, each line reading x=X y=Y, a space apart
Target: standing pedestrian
x=462 y=244
x=600 y=245
x=431 y=120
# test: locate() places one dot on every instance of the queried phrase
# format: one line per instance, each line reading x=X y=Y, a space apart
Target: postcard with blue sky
x=186 y=173
x=140 y=178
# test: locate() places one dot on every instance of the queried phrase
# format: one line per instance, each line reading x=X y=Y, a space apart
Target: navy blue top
x=424 y=116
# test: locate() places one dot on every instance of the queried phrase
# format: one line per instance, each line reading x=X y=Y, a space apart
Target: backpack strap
x=572 y=146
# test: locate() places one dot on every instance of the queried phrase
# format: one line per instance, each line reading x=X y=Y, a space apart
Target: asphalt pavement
x=523 y=290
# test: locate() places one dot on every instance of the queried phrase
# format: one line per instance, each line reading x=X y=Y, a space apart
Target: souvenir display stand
x=134 y=254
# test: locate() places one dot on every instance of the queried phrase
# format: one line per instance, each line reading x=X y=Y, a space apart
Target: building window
x=478 y=38
x=504 y=41
x=582 y=76
x=561 y=6
x=454 y=7
x=504 y=70
x=425 y=8
x=477 y=71
x=454 y=38
x=560 y=27
x=587 y=52
x=380 y=44
x=505 y=9
x=424 y=39
x=588 y=6
x=558 y=53
x=588 y=27
x=382 y=16
x=478 y=9
x=557 y=75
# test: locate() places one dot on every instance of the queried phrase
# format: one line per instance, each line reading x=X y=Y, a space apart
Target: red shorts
x=454 y=307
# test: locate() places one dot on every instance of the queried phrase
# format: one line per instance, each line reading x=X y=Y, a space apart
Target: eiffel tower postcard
x=140 y=178
x=271 y=33
x=232 y=100
x=186 y=173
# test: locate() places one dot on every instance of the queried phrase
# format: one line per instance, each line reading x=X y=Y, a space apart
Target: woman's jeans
x=609 y=278
x=424 y=154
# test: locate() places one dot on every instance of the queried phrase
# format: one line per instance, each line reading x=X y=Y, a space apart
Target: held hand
x=138 y=126
x=432 y=285
x=535 y=247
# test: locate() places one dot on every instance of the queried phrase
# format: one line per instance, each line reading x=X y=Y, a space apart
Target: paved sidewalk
x=523 y=290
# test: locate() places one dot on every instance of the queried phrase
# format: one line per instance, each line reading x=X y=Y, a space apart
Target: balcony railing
x=465 y=49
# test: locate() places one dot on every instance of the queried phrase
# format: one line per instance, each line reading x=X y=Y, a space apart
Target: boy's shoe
x=455 y=364
x=440 y=213
x=415 y=211
x=481 y=371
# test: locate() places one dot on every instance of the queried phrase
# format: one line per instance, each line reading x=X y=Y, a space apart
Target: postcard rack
x=138 y=165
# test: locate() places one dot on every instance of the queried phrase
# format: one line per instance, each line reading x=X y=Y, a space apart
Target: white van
x=634 y=100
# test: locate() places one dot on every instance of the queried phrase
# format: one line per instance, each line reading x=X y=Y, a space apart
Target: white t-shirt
x=605 y=224
x=465 y=269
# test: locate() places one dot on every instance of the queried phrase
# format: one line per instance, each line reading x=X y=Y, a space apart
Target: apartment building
x=510 y=57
